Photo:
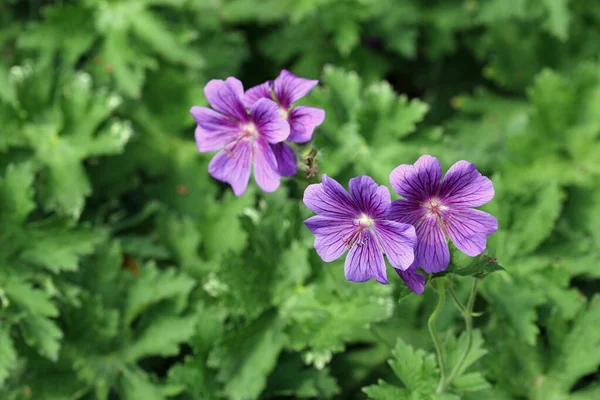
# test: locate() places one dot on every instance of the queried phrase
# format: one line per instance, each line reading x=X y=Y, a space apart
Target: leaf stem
x=434 y=336
x=468 y=316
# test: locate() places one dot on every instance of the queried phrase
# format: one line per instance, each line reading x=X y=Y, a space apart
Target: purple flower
x=439 y=207
x=286 y=89
x=244 y=137
x=358 y=222
x=412 y=279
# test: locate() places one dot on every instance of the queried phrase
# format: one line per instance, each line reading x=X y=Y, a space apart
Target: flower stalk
x=467 y=314
x=440 y=283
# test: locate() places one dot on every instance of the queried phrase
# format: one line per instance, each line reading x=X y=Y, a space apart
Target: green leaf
x=480 y=267
x=454 y=348
x=153 y=286
x=8 y=353
x=580 y=352
x=558 y=18
x=247 y=356
x=328 y=313
x=136 y=386
x=514 y=304
x=545 y=207
x=35 y=309
x=16 y=193
x=65 y=31
x=471 y=382
x=162 y=337
x=385 y=391
x=292 y=378
x=57 y=246
x=384 y=114
x=416 y=369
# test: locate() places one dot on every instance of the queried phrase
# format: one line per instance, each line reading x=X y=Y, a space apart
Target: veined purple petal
x=226 y=97
x=406 y=211
x=265 y=166
x=365 y=261
x=303 y=121
x=398 y=241
x=432 y=250
x=288 y=88
x=412 y=279
x=419 y=181
x=371 y=199
x=262 y=91
x=464 y=186
x=214 y=130
x=268 y=122
x=330 y=199
x=330 y=236
x=469 y=229
x=286 y=159
x=232 y=165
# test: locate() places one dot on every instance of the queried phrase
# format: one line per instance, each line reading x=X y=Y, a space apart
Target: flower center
x=434 y=207
x=358 y=237
x=249 y=129
x=365 y=222
x=283 y=112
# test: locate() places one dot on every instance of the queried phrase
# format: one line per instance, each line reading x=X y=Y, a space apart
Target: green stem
x=434 y=336
x=456 y=301
x=468 y=316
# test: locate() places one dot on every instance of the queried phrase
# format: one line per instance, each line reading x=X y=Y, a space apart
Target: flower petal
x=265 y=166
x=288 y=88
x=330 y=236
x=419 y=181
x=432 y=250
x=464 y=186
x=371 y=199
x=252 y=95
x=398 y=241
x=412 y=279
x=232 y=165
x=365 y=261
x=226 y=97
x=469 y=229
x=214 y=130
x=330 y=199
x=406 y=211
x=286 y=159
x=303 y=121
x=268 y=122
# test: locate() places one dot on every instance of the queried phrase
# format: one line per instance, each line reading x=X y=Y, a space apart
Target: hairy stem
x=468 y=316
x=434 y=336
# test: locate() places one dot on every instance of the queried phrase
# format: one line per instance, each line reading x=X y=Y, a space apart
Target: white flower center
x=249 y=129
x=365 y=222
x=283 y=112
x=434 y=207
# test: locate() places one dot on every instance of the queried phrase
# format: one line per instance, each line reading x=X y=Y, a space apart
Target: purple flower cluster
x=411 y=232
x=250 y=129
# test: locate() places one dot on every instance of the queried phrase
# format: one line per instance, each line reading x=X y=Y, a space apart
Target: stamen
x=358 y=237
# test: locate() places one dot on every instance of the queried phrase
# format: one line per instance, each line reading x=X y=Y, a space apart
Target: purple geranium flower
x=358 y=222
x=286 y=89
x=243 y=136
x=412 y=279
x=438 y=208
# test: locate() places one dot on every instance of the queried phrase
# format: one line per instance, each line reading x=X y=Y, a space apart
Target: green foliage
x=127 y=272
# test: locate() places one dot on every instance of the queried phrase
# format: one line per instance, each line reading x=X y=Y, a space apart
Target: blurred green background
x=127 y=272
